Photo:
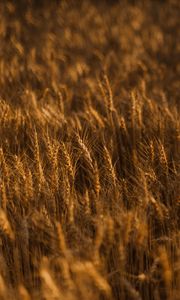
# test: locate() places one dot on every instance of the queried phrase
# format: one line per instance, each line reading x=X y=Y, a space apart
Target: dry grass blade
x=5 y=225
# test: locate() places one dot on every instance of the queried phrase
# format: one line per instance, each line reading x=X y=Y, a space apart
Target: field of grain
x=89 y=150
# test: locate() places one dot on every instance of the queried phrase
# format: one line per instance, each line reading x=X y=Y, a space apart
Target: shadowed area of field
x=89 y=150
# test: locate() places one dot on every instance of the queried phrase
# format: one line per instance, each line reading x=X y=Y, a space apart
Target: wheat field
x=89 y=150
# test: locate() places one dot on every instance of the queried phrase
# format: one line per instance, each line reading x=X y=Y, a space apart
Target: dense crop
x=89 y=150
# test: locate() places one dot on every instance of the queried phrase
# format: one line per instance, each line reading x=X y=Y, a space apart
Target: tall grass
x=89 y=150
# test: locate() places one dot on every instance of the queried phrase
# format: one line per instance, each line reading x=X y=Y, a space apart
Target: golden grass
x=89 y=150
